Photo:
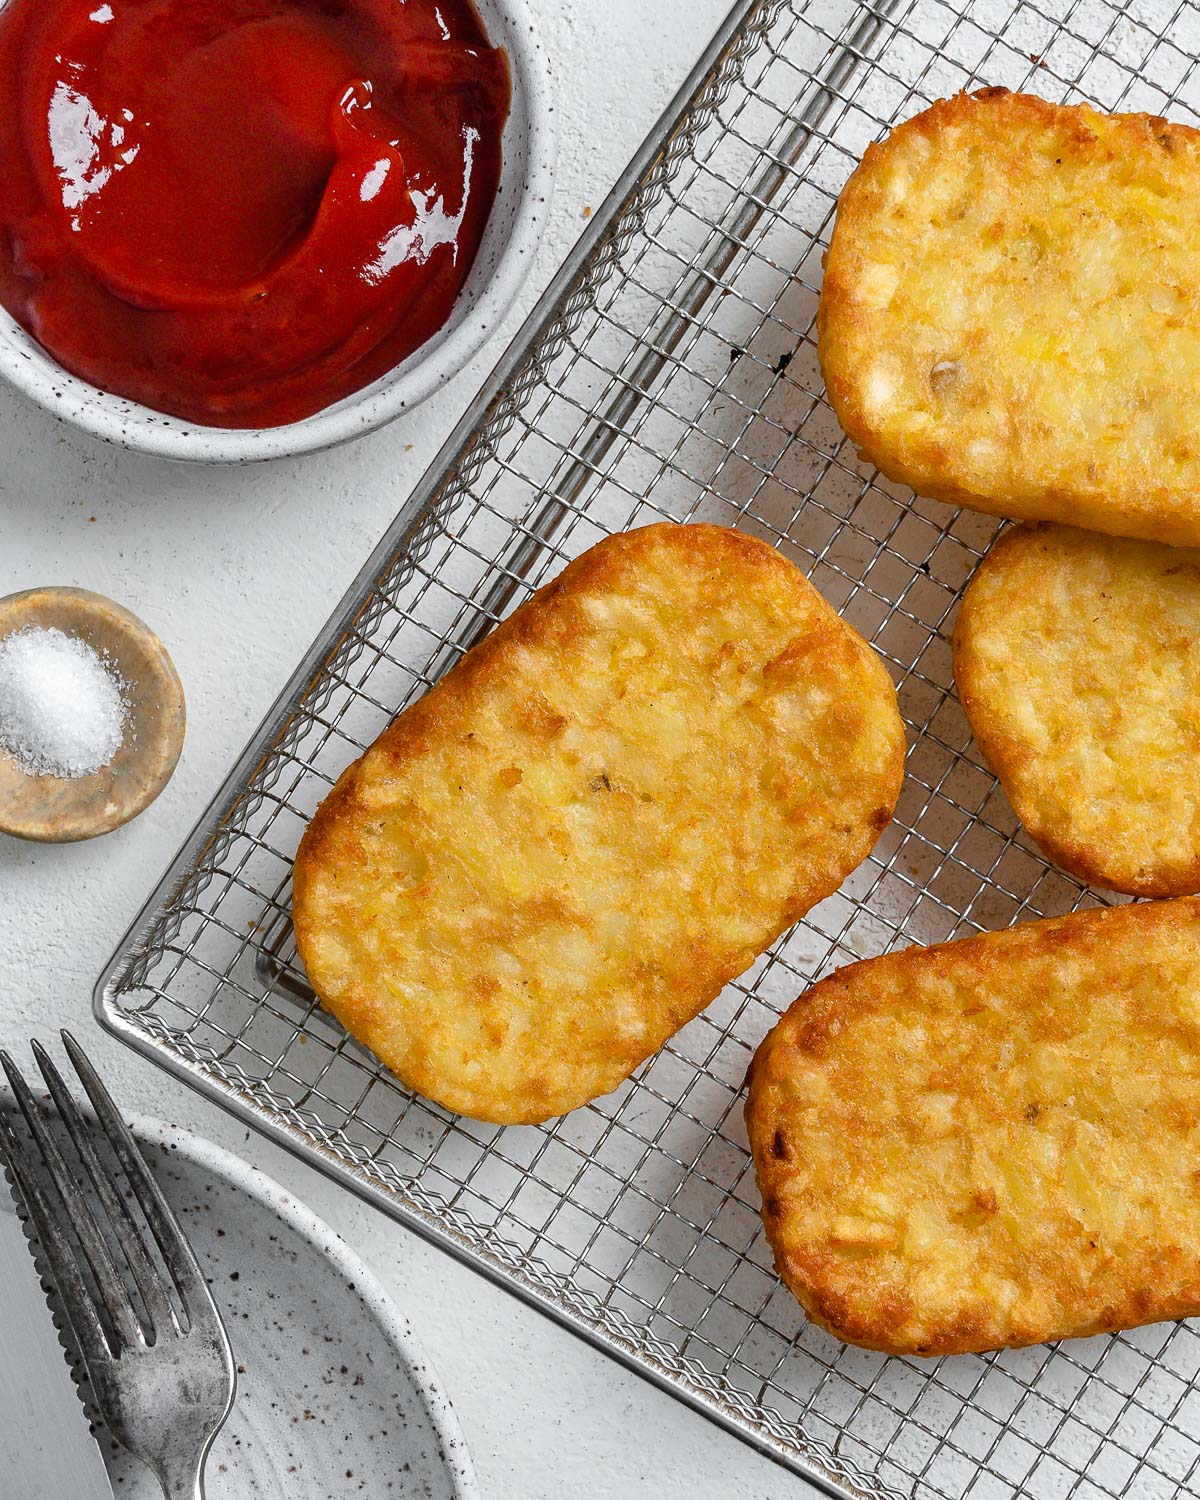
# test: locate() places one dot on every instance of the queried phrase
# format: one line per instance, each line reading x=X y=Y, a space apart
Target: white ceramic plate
x=335 y=1395
x=505 y=258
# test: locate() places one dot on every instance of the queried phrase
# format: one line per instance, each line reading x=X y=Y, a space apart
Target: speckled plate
x=335 y=1396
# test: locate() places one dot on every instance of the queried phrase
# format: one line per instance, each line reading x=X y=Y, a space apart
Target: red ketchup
x=239 y=211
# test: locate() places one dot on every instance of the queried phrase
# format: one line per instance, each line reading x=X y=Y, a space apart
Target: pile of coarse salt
x=62 y=710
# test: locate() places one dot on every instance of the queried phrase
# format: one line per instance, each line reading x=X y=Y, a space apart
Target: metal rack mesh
x=674 y=375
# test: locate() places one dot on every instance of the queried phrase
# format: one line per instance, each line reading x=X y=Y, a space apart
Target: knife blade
x=47 y=1451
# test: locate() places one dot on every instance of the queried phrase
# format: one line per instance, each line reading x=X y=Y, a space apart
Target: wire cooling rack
x=670 y=371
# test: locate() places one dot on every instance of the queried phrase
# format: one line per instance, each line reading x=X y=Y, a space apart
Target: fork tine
x=176 y=1252
x=129 y=1235
x=60 y=1256
x=113 y=1291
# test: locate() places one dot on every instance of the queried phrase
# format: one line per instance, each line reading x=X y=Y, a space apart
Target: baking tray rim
x=835 y=1480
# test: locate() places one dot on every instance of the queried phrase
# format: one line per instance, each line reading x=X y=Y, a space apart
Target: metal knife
x=46 y=1449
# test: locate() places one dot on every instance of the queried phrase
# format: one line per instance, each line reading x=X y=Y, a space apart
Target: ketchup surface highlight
x=240 y=211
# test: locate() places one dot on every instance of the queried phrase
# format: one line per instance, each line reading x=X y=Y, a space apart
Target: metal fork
x=162 y=1377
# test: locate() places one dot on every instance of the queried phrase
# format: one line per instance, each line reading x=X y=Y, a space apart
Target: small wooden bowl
x=56 y=811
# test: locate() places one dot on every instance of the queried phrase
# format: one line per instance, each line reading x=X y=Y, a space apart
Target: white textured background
x=236 y=569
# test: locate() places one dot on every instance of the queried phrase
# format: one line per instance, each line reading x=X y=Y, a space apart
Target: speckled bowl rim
x=26 y=366
x=330 y=1245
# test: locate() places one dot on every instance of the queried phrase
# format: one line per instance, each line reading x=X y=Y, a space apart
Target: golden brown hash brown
x=1010 y=317
x=605 y=812
x=991 y=1142
x=1077 y=658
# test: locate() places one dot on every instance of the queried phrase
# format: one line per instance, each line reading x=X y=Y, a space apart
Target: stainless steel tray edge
x=833 y=1476
x=670 y=372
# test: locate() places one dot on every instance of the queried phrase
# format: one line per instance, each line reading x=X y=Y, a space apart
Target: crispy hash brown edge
x=325 y=837
x=1161 y=515
x=1008 y=754
x=817 y=1286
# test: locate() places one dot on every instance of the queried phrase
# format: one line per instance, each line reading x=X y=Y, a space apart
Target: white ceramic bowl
x=332 y=1375
x=505 y=258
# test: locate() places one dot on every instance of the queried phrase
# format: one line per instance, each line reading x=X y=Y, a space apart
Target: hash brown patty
x=1010 y=317
x=1077 y=659
x=992 y=1142
x=606 y=811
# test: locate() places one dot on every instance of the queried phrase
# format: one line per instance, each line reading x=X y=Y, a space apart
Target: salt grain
x=62 y=710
